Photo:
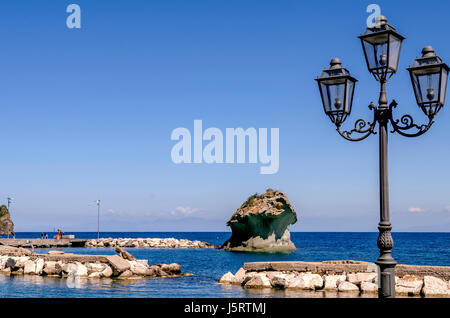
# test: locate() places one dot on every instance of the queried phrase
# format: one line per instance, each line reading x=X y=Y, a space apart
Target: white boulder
x=258 y=281
x=306 y=281
x=29 y=267
x=347 y=287
x=39 y=266
x=226 y=278
x=332 y=281
x=433 y=286
x=408 y=285
x=107 y=272
x=369 y=288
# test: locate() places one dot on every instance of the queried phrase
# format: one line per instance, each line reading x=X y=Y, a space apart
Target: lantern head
x=336 y=89
x=381 y=45
x=429 y=77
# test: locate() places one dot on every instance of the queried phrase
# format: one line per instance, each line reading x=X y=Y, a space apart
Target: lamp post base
x=386 y=279
x=386 y=263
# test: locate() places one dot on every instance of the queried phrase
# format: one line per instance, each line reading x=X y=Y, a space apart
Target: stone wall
x=350 y=277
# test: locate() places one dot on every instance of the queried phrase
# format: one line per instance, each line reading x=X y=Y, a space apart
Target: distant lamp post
x=381 y=45
x=98 y=219
x=9 y=202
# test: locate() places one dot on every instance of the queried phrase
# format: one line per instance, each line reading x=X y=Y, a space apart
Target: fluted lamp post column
x=381 y=45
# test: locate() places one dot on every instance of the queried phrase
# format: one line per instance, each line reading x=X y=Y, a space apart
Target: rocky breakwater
x=345 y=278
x=6 y=224
x=147 y=243
x=19 y=261
x=262 y=224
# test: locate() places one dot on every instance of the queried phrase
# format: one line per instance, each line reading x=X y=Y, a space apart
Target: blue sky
x=87 y=113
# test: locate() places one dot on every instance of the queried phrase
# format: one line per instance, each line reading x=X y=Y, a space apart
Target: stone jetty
x=341 y=278
x=147 y=243
x=21 y=261
x=44 y=243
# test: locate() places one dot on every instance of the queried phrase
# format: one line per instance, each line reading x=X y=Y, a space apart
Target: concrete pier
x=348 y=266
x=44 y=243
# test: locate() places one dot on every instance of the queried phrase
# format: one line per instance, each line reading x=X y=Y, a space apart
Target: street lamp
x=381 y=45
x=98 y=219
x=9 y=202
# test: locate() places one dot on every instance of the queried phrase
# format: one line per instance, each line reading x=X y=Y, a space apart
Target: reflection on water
x=39 y=286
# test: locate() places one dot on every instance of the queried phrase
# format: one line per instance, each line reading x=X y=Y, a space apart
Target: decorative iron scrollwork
x=407 y=123
x=401 y=126
x=361 y=127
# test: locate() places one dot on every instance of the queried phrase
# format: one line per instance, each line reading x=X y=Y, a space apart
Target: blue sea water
x=208 y=265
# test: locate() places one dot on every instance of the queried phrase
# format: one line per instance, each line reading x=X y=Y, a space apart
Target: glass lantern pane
x=443 y=88
x=416 y=88
x=349 y=96
x=394 y=51
x=325 y=97
x=376 y=51
x=428 y=87
x=333 y=96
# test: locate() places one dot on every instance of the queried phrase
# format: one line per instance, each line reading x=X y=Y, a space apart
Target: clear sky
x=87 y=113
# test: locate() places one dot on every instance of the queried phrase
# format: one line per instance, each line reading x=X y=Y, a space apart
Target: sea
x=208 y=265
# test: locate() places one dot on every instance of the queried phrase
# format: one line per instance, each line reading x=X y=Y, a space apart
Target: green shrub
x=249 y=201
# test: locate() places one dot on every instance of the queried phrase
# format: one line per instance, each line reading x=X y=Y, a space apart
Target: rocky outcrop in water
x=262 y=224
x=6 y=224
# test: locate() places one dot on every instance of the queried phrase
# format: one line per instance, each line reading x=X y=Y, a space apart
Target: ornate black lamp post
x=381 y=44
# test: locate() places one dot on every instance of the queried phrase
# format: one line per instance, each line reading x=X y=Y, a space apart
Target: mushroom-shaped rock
x=262 y=224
